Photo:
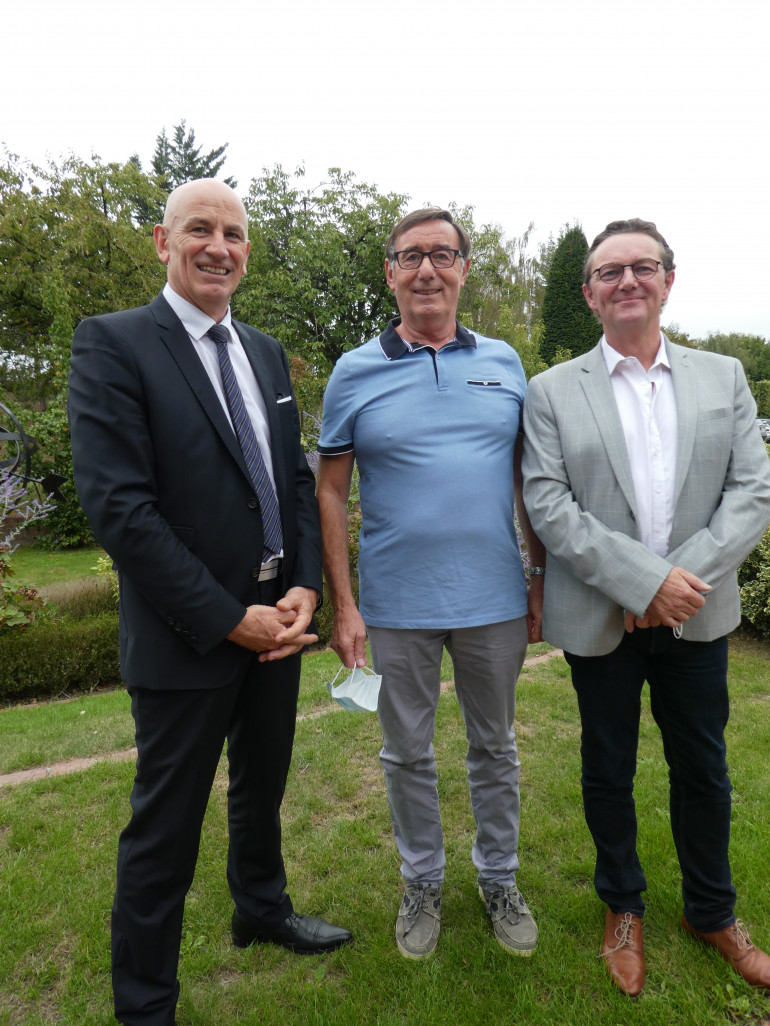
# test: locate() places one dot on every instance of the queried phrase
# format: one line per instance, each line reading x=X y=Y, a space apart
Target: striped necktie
x=244 y=431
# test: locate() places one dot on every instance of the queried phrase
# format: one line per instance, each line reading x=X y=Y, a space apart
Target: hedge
x=52 y=658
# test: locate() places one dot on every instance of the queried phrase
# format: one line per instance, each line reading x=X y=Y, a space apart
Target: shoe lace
x=624 y=933
x=420 y=899
x=742 y=936
x=507 y=903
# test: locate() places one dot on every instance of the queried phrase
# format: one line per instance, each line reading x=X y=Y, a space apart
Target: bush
x=65 y=655
x=754 y=579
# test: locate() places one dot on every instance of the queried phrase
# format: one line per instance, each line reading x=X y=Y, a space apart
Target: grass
x=58 y=841
x=40 y=568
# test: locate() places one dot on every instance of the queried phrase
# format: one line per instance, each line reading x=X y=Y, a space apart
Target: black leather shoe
x=305 y=935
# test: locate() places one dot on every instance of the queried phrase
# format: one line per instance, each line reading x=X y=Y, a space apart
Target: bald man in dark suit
x=188 y=464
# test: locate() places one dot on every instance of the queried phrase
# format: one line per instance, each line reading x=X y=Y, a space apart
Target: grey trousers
x=487 y=661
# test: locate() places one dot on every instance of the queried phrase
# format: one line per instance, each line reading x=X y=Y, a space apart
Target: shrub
x=754 y=579
x=61 y=656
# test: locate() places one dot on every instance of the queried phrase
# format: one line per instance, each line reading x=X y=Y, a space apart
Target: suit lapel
x=601 y=399
x=177 y=341
x=686 y=392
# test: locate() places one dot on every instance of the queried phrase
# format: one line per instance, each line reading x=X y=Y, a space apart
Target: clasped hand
x=679 y=597
x=278 y=631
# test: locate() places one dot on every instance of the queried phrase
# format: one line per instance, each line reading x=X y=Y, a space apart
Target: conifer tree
x=568 y=323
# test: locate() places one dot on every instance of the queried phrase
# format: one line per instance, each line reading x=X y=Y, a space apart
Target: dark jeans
x=689 y=701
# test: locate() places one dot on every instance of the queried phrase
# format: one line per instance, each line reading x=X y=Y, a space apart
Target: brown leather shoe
x=734 y=945
x=623 y=951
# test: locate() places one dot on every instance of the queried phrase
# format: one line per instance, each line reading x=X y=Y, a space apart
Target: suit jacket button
x=253 y=503
x=255 y=571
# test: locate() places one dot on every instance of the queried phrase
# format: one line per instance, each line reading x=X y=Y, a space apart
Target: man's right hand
x=678 y=598
x=349 y=638
x=260 y=627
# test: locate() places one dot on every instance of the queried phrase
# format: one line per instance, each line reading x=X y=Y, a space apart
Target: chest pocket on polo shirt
x=486 y=384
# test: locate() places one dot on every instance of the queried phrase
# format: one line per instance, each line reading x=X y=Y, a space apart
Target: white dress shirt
x=196 y=324
x=647 y=408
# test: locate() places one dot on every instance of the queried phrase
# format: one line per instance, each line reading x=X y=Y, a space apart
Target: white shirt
x=196 y=324
x=647 y=407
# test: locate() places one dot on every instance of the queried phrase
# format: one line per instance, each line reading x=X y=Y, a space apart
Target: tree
x=69 y=247
x=504 y=276
x=174 y=162
x=567 y=321
x=179 y=160
x=752 y=350
x=316 y=277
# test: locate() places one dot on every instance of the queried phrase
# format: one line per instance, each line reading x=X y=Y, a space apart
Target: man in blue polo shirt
x=431 y=414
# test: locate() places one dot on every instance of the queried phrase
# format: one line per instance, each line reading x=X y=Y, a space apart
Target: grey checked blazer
x=580 y=498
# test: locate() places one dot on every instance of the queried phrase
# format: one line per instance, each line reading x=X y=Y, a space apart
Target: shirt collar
x=613 y=358
x=393 y=346
x=196 y=322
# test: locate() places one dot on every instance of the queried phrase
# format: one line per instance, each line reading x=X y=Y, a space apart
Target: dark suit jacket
x=162 y=480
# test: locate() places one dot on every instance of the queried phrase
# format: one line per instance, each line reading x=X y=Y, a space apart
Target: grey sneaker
x=514 y=927
x=419 y=921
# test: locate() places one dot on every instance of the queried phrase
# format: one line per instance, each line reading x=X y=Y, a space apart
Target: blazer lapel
x=601 y=399
x=177 y=341
x=686 y=392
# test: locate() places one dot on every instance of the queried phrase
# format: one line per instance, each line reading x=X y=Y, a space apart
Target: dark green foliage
x=568 y=322
x=179 y=160
x=66 y=526
x=754 y=579
x=58 y=657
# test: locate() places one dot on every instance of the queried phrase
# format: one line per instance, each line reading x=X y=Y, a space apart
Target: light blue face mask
x=359 y=691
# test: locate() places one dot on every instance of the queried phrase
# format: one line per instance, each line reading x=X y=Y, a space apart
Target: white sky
x=550 y=111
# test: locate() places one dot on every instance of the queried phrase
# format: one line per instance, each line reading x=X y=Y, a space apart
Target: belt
x=270 y=569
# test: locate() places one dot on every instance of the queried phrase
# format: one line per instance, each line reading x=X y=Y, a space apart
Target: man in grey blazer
x=648 y=483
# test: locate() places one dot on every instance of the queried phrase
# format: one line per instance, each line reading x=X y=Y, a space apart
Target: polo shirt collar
x=393 y=346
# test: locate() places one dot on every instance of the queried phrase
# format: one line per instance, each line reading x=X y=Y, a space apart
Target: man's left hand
x=535 y=609
x=301 y=601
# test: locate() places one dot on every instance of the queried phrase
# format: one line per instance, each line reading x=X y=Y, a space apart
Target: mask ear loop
x=336 y=675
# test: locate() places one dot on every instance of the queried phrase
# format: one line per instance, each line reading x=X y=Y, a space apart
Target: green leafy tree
x=752 y=350
x=681 y=338
x=567 y=320
x=316 y=277
x=504 y=276
x=761 y=392
x=69 y=247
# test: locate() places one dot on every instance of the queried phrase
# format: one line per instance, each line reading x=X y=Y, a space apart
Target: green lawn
x=57 y=851
x=40 y=568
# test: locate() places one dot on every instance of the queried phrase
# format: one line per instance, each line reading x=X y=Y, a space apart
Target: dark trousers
x=180 y=735
x=689 y=701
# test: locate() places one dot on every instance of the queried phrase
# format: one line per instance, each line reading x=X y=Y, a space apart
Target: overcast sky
x=549 y=112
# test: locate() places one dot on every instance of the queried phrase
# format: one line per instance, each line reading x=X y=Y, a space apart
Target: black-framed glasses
x=642 y=270
x=411 y=259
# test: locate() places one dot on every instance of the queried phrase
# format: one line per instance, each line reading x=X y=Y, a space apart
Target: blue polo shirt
x=433 y=435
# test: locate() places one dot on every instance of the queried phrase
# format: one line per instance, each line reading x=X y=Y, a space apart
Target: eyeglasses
x=642 y=270
x=411 y=259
